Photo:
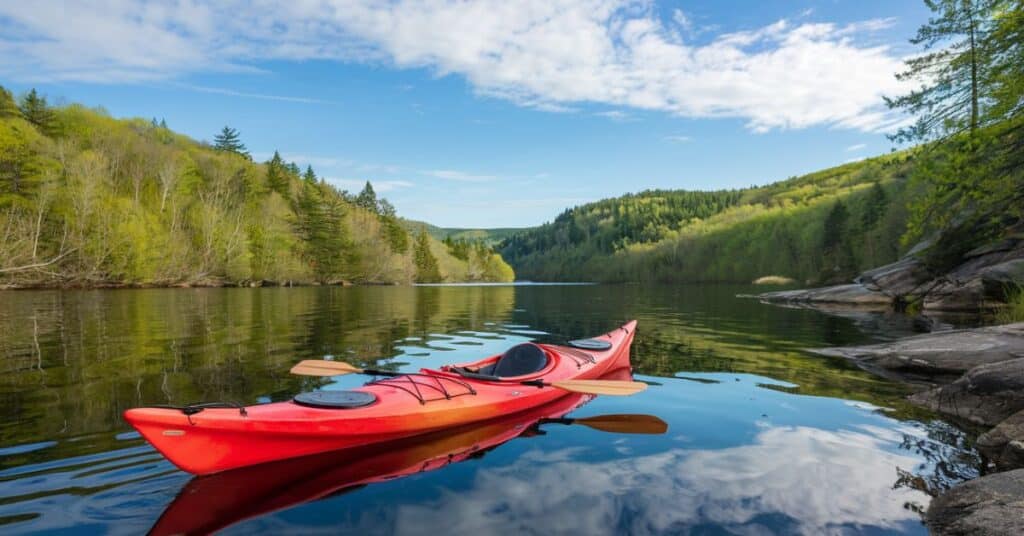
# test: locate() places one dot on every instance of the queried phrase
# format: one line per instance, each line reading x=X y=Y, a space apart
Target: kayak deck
x=217 y=439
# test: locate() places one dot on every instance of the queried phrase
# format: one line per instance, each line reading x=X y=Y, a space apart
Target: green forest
x=960 y=183
x=89 y=200
x=729 y=236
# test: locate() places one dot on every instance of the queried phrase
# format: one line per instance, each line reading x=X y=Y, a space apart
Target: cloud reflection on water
x=790 y=479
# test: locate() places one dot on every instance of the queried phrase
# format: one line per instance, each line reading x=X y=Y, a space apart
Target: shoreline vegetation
x=90 y=201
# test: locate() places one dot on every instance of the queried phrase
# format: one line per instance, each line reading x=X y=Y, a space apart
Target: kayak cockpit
x=520 y=360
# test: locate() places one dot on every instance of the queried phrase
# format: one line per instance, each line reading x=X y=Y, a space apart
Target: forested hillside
x=819 y=227
x=491 y=237
x=89 y=200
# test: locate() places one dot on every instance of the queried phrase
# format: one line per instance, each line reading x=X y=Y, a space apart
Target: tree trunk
x=969 y=6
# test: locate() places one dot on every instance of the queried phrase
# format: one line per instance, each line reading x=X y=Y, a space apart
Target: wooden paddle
x=321 y=367
x=619 y=424
x=316 y=367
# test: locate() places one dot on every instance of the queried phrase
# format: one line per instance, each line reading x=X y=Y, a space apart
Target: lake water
x=763 y=438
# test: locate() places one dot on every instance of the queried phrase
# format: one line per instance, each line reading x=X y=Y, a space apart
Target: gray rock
x=898 y=279
x=988 y=506
x=853 y=294
x=937 y=356
x=987 y=394
x=999 y=246
x=1004 y=444
x=952 y=295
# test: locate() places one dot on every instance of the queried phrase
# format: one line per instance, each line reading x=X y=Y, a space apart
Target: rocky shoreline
x=981 y=281
x=975 y=376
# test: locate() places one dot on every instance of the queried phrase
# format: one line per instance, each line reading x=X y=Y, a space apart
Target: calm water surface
x=763 y=438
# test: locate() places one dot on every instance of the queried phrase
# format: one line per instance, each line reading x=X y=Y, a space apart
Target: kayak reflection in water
x=210 y=503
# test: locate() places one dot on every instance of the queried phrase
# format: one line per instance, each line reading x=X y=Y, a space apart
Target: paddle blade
x=625 y=424
x=319 y=367
x=601 y=387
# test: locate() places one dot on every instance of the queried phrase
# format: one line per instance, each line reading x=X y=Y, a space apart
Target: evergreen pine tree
x=874 y=206
x=163 y=124
x=277 y=175
x=367 y=198
x=36 y=111
x=322 y=227
x=954 y=77
x=8 y=108
x=309 y=176
x=837 y=255
x=427 y=270
x=229 y=141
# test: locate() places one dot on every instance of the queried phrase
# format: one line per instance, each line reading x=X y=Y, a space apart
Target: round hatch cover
x=335 y=399
x=590 y=344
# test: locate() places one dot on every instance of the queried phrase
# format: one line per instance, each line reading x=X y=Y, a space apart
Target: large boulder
x=988 y=506
x=987 y=394
x=896 y=280
x=1004 y=444
x=982 y=280
x=940 y=356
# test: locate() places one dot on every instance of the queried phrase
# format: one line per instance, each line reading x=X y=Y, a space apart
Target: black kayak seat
x=591 y=344
x=519 y=360
x=335 y=399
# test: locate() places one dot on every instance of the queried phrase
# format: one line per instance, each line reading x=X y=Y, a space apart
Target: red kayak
x=202 y=439
x=209 y=504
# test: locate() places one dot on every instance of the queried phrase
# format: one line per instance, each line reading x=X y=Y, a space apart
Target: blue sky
x=493 y=113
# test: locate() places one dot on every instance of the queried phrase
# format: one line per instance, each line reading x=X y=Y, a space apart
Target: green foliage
x=874 y=206
x=1014 y=310
x=8 y=108
x=605 y=227
x=36 y=111
x=837 y=254
x=427 y=270
x=398 y=237
x=129 y=202
x=741 y=235
x=229 y=140
x=458 y=248
x=953 y=70
x=21 y=161
x=367 y=199
x=322 y=226
x=278 y=175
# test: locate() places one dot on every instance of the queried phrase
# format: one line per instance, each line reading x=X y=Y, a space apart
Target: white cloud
x=544 y=54
x=856 y=147
x=614 y=115
x=678 y=139
x=682 y=20
x=263 y=96
x=461 y=176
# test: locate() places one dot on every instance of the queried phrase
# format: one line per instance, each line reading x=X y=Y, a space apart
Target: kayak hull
x=220 y=439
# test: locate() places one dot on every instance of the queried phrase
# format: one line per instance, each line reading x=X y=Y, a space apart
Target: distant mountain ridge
x=490 y=237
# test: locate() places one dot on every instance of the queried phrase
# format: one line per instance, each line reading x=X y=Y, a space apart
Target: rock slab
x=1004 y=444
x=992 y=505
x=987 y=394
x=938 y=355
